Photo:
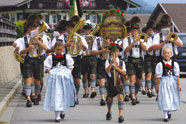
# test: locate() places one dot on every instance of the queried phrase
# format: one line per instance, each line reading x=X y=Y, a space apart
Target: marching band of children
x=141 y=62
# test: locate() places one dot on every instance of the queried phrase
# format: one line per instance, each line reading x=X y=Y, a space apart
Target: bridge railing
x=7 y=32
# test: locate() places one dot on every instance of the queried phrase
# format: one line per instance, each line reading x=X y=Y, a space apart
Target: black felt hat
x=165 y=21
x=61 y=26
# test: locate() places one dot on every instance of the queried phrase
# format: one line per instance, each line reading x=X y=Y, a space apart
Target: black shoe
x=126 y=99
x=36 y=101
x=143 y=92
x=169 y=116
x=102 y=102
x=133 y=102
x=77 y=102
x=108 y=116
x=149 y=94
x=39 y=97
x=137 y=101
x=85 y=95
x=62 y=116
x=120 y=119
x=28 y=103
x=166 y=120
x=57 y=120
x=93 y=94
x=32 y=98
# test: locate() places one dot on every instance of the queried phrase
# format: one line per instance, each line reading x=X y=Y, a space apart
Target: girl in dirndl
x=168 y=84
x=60 y=92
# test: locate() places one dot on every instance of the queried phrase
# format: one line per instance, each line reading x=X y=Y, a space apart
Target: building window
x=53 y=19
x=93 y=4
x=93 y=18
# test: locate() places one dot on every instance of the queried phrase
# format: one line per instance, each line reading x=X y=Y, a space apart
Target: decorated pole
x=113 y=28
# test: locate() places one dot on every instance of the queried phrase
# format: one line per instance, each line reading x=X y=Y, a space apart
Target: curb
x=7 y=99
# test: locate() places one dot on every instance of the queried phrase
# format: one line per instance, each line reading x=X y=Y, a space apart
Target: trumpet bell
x=172 y=37
x=142 y=37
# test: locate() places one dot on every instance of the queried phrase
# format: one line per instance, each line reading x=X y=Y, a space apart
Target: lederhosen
x=32 y=66
x=89 y=64
x=61 y=60
x=147 y=63
x=168 y=71
x=135 y=65
x=111 y=89
x=101 y=73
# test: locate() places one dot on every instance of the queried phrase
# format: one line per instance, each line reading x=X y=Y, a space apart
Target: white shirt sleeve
x=95 y=46
x=125 y=43
x=21 y=45
x=48 y=63
x=159 y=70
x=106 y=64
x=18 y=42
x=84 y=41
x=124 y=66
x=70 y=61
x=176 y=69
x=156 y=39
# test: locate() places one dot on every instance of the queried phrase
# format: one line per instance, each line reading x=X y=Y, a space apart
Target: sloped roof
x=176 y=11
x=5 y=3
x=143 y=17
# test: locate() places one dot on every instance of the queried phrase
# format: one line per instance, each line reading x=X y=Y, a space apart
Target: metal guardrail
x=7 y=32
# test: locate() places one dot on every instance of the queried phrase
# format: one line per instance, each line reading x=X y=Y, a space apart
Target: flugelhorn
x=75 y=39
x=38 y=48
x=172 y=37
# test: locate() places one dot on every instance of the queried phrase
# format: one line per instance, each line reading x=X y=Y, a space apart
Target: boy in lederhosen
x=99 y=50
x=77 y=58
x=89 y=64
x=115 y=87
x=32 y=65
x=148 y=61
x=134 y=50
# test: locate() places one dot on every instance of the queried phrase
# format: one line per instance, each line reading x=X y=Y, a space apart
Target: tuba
x=75 y=39
x=38 y=50
x=172 y=37
x=18 y=57
x=142 y=37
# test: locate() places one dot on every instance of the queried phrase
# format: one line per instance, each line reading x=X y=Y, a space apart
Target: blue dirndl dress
x=60 y=92
x=168 y=95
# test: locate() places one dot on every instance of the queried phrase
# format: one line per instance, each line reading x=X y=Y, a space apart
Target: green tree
x=20 y=28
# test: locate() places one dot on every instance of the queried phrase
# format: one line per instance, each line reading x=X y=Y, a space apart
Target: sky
x=154 y=2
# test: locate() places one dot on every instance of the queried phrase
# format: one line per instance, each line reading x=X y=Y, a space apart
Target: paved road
x=89 y=112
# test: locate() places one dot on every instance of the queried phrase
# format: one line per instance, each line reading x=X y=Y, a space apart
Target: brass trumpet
x=90 y=39
x=172 y=37
x=142 y=37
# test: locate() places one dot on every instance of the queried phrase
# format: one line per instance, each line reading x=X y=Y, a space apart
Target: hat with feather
x=135 y=22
